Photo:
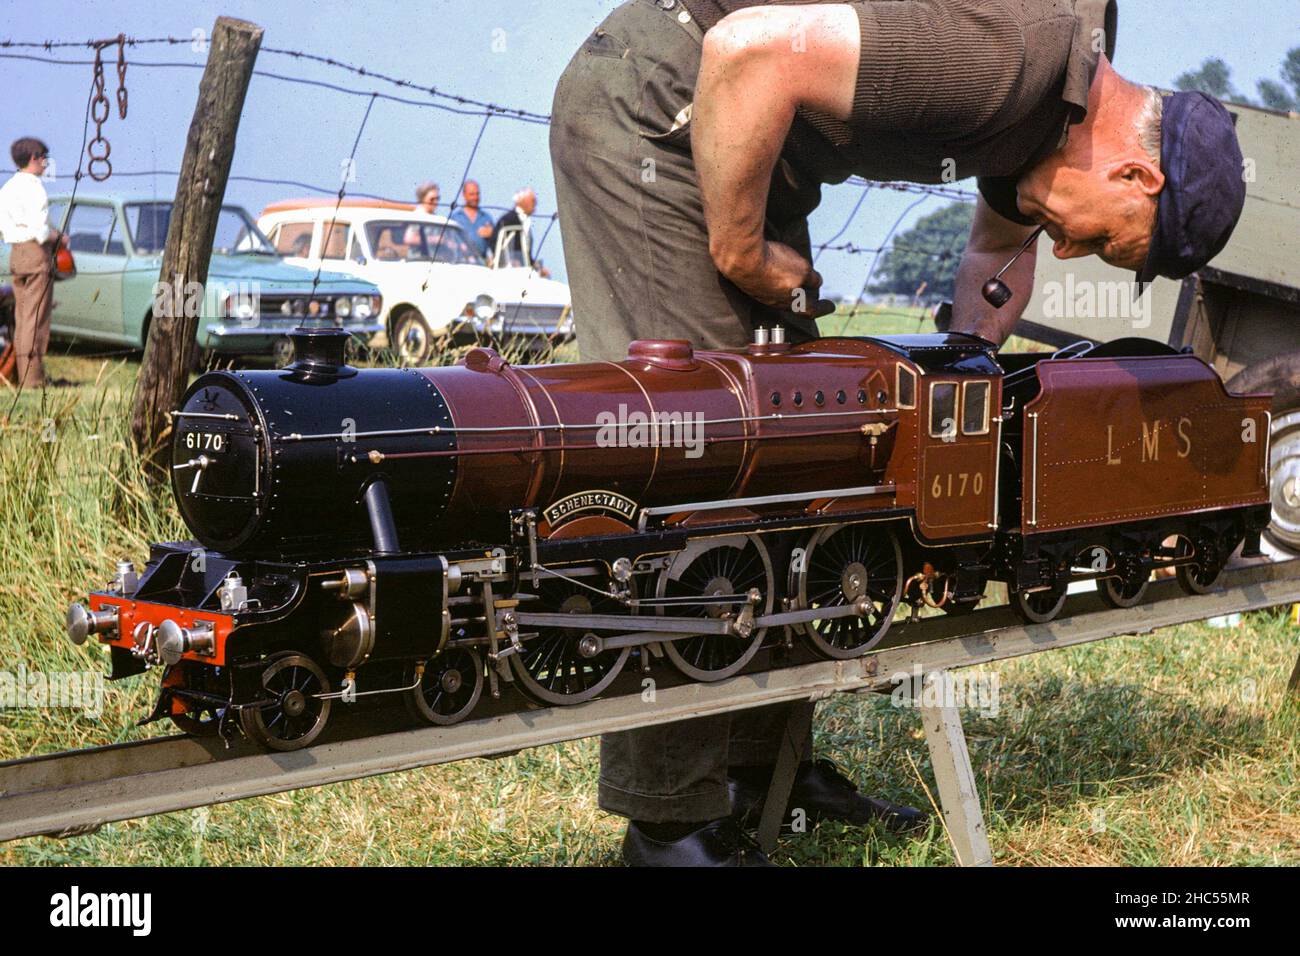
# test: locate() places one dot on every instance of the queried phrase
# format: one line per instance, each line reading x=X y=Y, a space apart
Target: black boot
x=823 y=793
x=714 y=843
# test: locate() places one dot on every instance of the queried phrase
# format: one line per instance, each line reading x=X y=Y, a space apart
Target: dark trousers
x=637 y=254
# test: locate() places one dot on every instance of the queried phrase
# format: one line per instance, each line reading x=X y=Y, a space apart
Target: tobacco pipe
x=996 y=292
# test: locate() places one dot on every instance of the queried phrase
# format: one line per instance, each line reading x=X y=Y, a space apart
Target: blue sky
x=505 y=52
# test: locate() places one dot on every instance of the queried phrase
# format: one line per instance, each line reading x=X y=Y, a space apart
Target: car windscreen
x=236 y=235
x=395 y=240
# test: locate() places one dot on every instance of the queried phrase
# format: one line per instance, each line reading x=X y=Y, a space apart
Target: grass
x=1176 y=748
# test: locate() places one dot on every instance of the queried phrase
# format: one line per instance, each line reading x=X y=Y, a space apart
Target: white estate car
x=434 y=285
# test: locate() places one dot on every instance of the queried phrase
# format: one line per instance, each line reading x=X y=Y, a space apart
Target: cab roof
x=949 y=353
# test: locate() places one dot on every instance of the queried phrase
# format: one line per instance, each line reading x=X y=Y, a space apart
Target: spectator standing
x=512 y=252
x=25 y=225
x=427 y=196
x=477 y=224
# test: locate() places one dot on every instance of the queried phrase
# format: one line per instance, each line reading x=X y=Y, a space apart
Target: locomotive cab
x=950 y=388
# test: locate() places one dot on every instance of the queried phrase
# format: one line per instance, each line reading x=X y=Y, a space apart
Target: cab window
x=943 y=410
x=334 y=239
x=975 y=408
x=905 y=387
x=91 y=230
x=294 y=239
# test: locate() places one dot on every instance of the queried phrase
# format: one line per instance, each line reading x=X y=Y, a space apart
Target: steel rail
x=69 y=792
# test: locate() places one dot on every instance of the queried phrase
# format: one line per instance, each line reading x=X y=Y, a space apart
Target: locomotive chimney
x=319 y=353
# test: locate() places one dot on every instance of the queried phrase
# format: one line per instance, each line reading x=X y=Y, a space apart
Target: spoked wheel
x=844 y=565
x=717 y=567
x=563 y=665
x=1039 y=607
x=1199 y=576
x=298 y=715
x=451 y=686
x=412 y=338
x=1127 y=587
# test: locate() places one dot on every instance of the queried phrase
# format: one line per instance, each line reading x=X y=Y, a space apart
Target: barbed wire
x=948 y=192
x=876 y=259
x=299 y=184
x=343 y=186
x=301 y=55
x=463 y=106
x=304 y=81
x=944 y=192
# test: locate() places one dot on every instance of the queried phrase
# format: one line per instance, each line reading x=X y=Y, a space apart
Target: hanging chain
x=121 y=76
x=100 y=168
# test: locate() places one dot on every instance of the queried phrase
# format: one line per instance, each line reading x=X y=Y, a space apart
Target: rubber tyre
x=411 y=338
x=1280 y=374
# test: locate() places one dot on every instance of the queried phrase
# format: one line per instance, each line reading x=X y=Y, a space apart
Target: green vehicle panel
x=251 y=301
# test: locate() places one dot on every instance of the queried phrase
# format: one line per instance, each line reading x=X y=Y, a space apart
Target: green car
x=251 y=302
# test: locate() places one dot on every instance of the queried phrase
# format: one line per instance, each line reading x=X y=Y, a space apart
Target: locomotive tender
x=426 y=532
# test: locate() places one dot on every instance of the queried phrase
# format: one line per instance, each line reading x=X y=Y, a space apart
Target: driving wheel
x=848 y=565
x=566 y=665
x=711 y=578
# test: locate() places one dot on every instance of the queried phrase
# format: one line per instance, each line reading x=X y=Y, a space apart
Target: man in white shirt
x=25 y=225
x=512 y=253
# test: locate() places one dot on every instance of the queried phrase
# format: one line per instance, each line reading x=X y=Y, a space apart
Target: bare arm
x=758 y=66
x=993 y=240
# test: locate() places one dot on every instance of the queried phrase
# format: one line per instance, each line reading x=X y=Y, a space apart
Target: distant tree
x=1291 y=70
x=1215 y=77
x=926 y=256
x=1275 y=96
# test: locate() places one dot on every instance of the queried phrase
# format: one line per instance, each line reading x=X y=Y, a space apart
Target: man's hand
x=780 y=277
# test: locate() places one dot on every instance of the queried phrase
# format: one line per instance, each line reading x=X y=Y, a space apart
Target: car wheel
x=1280 y=375
x=412 y=339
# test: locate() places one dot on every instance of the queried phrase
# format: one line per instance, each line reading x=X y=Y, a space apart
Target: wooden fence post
x=200 y=189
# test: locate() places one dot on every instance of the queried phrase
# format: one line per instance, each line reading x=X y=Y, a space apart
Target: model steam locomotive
x=421 y=532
